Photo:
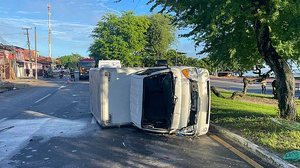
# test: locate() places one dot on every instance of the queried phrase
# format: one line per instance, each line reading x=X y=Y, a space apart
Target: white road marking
x=38 y=114
x=63 y=86
x=3 y=119
x=43 y=98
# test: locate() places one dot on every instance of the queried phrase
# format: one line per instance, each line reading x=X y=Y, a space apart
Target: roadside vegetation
x=151 y=41
x=70 y=61
x=241 y=34
x=256 y=117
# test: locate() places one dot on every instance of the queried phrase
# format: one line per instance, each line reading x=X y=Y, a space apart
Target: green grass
x=256 y=122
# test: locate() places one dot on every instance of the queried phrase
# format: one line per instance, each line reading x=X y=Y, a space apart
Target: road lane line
x=63 y=86
x=42 y=98
x=235 y=151
x=3 y=119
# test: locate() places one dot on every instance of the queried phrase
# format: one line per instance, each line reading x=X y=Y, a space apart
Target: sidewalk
x=23 y=83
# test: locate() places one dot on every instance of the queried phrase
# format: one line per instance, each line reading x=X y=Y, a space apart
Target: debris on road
x=6 y=86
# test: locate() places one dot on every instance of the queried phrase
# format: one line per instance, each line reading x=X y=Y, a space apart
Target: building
x=17 y=62
x=6 y=64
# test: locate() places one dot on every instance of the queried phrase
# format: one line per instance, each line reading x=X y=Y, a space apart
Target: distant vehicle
x=109 y=64
x=84 y=66
x=225 y=73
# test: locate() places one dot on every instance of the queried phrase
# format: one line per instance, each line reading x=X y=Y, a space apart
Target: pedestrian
x=27 y=72
x=72 y=74
x=46 y=74
x=61 y=74
x=263 y=85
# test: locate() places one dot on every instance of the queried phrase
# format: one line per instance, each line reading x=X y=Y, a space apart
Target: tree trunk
x=216 y=92
x=284 y=76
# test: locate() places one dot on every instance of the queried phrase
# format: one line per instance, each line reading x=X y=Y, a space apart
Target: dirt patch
x=23 y=83
x=259 y=100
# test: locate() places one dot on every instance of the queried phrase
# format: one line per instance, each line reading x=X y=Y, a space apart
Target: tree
x=135 y=40
x=70 y=61
x=120 y=37
x=175 y=58
x=246 y=32
x=160 y=35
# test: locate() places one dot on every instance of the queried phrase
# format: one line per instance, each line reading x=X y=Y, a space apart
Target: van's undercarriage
x=158 y=101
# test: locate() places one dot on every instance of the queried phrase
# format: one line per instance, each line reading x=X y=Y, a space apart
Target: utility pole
x=28 y=39
x=28 y=44
x=35 y=53
x=49 y=32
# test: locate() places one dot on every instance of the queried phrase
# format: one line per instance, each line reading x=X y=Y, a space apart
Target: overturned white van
x=170 y=100
x=161 y=99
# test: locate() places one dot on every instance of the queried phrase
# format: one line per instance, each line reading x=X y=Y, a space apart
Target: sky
x=72 y=23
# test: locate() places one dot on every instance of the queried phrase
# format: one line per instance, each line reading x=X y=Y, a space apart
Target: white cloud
x=28 y=12
x=65 y=35
x=62 y=30
x=21 y=22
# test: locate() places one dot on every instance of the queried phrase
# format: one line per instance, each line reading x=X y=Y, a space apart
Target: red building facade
x=19 y=62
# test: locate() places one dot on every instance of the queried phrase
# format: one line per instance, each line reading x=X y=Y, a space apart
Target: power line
x=49 y=31
x=5 y=34
x=136 y=5
x=3 y=41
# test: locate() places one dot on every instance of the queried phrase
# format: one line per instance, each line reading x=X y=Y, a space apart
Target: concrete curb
x=253 y=148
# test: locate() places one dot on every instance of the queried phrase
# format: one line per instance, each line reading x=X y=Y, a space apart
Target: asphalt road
x=236 y=86
x=51 y=126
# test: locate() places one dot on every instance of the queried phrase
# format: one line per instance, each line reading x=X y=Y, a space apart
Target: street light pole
x=35 y=53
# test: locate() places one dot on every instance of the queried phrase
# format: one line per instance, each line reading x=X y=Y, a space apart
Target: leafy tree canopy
x=160 y=34
x=227 y=27
x=120 y=37
x=135 y=40
x=175 y=58
x=70 y=61
x=245 y=33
